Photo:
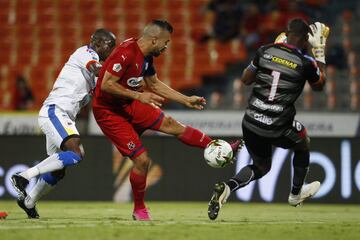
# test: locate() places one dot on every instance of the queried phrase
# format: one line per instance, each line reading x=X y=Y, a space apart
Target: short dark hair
x=299 y=27
x=163 y=24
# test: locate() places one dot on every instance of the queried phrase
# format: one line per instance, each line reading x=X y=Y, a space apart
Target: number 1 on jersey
x=274 y=84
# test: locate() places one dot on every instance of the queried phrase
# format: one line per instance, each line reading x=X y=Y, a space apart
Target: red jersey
x=130 y=65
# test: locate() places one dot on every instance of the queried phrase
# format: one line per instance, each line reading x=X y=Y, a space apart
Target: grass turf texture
x=180 y=220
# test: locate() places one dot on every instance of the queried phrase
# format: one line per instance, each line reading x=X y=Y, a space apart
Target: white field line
x=115 y=224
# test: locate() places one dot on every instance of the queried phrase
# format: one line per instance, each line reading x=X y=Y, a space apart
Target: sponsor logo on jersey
x=116 y=67
x=264 y=106
x=284 y=62
x=268 y=56
x=134 y=82
x=263 y=119
x=131 y=145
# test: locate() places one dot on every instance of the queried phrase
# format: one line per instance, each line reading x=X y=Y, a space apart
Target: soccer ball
x=218 y=153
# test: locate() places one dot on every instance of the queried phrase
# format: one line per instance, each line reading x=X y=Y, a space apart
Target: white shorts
x=57 y=126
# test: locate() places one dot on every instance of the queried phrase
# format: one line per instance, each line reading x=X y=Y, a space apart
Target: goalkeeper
x=279 y=72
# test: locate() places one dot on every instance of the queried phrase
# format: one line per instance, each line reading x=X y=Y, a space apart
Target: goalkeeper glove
x=317 y=39
x=281 y=38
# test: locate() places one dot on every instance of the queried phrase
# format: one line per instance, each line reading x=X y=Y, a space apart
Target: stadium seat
x=67 y=5
x=23 y=4
x=86 y=32
x=46 y=58
x=44 y=5
x=110 y=4
x=132 y=30
x=175 y=4
x=45 y=17
x=89 y=17
x=67 y=18
x=158 y=13
x=46 y=31
x=111 y=19
x=131 y=5
x=38 y=81
x=23 y=17
x=67 y=48
x=88 y=5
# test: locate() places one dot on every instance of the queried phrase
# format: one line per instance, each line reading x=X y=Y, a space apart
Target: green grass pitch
x=181 y=220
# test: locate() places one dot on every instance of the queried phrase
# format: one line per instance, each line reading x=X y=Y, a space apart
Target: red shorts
x=124 y=125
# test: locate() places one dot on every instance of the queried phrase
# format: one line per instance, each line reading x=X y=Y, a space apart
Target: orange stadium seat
x=46 y=31
x=86 y=32
x=175 y=4
x=45 y=17
x=43 y=5
x=110 y=4
x=154 y=6
x=25 y=31
x=132 y=30
x=5 y=54
x=111 y=19
x=89 y=17
x=23 y=4
x=132 y=17
x=88 y=5
x=67 y=5
x=68 y=32
x=46 y=58
x=5 y=4
x=157 y=14
x=132 y=4
x=197 y=4
x=179 y=59
x=38 y=81
x=67 y=48
x=66 y=18
x=5 y=30
x=179 y=32
x=23 y=17
x=4 y=17
x=24 y=58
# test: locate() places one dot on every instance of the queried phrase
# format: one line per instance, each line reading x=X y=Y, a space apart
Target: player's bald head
x=102 y=41
x=103 y=34
x=156 y=28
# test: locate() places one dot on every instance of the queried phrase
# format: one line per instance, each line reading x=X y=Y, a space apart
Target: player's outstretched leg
x=220 y=195
x=307 y=191
x=44 y=185
x=19 y=183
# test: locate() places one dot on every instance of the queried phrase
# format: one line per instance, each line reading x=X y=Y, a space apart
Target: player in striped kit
x=279 y=72
x=72 y=90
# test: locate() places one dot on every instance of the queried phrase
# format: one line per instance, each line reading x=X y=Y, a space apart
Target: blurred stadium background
x=212 y=43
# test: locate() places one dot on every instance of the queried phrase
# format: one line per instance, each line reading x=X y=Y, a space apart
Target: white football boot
x=307 y=191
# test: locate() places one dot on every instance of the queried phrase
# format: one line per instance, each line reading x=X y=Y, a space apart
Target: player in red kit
x=123 y=111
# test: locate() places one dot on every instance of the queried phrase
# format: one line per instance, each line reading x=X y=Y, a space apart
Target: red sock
x=194 y=137
x=138 y=184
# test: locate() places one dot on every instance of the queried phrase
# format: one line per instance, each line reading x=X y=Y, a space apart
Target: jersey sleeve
x=88 y=58
x=312 y=72
x=253 y=66
x=150 y=70
x=119 y=63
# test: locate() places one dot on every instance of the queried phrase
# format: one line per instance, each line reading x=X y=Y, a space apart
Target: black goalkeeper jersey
x=281 y=73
